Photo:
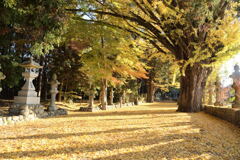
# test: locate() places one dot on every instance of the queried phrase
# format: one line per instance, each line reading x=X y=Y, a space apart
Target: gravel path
x=148 y=132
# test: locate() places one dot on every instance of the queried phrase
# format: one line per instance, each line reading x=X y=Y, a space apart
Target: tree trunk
x=91 y=99
x=136 y=101
x=65 y=92
x=204 y=101
x=192 y=86
x=46 y=87
x=40 y=77
x=103 y=98
x=111 y=96
x=174 y=77
x=124 y=97
x=60 y=92
x=121 y=101
x=40 y=83
x=150 y=91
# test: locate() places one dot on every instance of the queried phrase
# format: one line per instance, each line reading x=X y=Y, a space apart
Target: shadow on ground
x=160 y=147
x=143 y=142
x=168 y=108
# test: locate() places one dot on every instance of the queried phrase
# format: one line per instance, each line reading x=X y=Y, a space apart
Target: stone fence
x=108 y=107
x=38 y=111
x=16 y=119
x=229 y=114
x=28 y=113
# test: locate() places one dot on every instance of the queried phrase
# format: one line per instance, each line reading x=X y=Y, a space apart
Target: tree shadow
x=164 y=105
x=172 y=146
x=166 y=144
x=191 y=143
x=56 y=136
x=147 y=118
x=163 y=108
x=119 y=113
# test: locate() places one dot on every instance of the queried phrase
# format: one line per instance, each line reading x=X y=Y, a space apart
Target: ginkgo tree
x=197 y=33
x=162 y=72
x=108 y=52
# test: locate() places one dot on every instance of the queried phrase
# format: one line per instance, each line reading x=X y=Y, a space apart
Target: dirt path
x=150 y=131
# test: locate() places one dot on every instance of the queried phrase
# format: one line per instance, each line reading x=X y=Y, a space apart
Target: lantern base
x=26 y=100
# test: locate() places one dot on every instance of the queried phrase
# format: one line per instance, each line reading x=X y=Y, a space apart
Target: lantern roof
x=30 y=64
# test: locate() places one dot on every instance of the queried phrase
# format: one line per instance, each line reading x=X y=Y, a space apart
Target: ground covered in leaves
x=150 y=131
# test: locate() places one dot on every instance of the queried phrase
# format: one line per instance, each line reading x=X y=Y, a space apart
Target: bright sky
x=227 y=69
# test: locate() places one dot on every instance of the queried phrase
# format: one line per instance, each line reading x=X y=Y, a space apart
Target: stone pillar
x=2 y=76
x=211 y=89
x=54 y=85
x=219 y=97
x=236 y=86
x=226 y=95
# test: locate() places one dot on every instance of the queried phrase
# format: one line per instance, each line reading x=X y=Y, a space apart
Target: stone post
x=226 y=94
x=2 y=76
x=211 y=89
x=219 y=97
x=236 y=86
x=54 y=85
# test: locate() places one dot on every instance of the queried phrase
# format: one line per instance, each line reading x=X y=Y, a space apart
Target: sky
x=227 y=69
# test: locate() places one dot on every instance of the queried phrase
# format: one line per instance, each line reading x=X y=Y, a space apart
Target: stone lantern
x=2 y=76
x=28 y=95
x=236 y=86
x=54 y=90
